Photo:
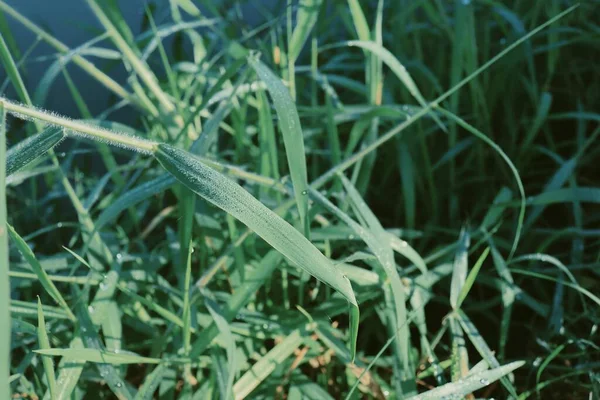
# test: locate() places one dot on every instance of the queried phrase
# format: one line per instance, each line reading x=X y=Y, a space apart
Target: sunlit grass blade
x=469 y=384
x=44 y=344
x=293 y=138
x=31 y=148
x=266 y=365
x=43 y=277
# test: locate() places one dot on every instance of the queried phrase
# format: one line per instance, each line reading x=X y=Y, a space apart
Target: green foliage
x=271 y=179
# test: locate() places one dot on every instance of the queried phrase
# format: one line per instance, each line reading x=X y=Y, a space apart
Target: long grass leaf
x=44 y=344
x=39 y=271
x=233 y=199
x=293 y=139
x=31 y=148
x=469 y=384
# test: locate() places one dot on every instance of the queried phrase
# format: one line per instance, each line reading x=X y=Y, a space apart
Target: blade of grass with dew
x=31 y=148
x=69 y=373
x=47 y=284
x=99 y=356
x=395 y=297
x=5 y=347
x=483 y=349
x=293 y=138
x=464 y=291
x=266 y=365
x=382 y=248
x=233 y=199
x=95 y=348
x=44 y=344
x=469 y=384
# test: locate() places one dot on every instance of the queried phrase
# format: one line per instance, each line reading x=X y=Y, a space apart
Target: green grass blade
x=266 y=365
x=152 y=382
x=398 y=69
x=44 y=344
x=31 y=148
x=254 y=280
x=508 y=162
x=306 y=17
x=69 y=373
x=469 y=384
x=482 y=347
x=100 y=356
x=39 y=271
x=459 y=274
x=4 y=269
x=233 y=199
x=293 y=139
x=229 y=341
x=464 y=292
x=360 y=22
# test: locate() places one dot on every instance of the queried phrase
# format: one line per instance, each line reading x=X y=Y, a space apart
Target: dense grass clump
x=302 y=200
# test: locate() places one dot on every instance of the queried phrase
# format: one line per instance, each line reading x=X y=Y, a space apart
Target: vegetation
x=349 y=199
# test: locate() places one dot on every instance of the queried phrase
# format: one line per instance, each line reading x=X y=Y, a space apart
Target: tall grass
x=346 y=200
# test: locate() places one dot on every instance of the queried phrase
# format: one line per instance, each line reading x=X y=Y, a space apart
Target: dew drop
x=119 y=384
x=304 y=192
x=119 y=256
x=484 y=381
x=351 y=236
x=91 y=309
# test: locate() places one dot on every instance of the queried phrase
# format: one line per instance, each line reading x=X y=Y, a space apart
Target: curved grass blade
x=469 y=384
x=232 y=198
x=31 y=148
x=510 y=164
x=459 y=273
x=39 y=271
x=398 y=69
x=44 y=344
x=293 y=139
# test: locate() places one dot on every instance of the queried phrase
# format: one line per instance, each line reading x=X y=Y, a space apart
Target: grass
x=344 y=200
